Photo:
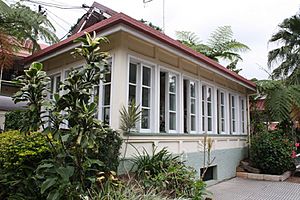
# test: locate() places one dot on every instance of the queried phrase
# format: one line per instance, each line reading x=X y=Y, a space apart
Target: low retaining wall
x=264 y=177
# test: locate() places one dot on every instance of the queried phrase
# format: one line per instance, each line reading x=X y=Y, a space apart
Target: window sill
x=185 y=134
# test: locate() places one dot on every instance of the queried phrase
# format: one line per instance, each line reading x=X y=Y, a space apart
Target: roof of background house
x=120 y=18
x=96 y=13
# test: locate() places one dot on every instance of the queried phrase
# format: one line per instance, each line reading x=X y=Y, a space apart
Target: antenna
x=147 y=1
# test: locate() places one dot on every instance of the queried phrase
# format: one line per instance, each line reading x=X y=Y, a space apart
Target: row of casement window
x=199 y=100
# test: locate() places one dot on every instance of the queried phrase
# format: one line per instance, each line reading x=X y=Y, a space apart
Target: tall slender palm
x=220 y=45
x=286 y=56
x=17 y=24
x=283 y=91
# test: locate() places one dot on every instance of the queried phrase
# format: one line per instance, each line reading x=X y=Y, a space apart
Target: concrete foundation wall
x=225 y=163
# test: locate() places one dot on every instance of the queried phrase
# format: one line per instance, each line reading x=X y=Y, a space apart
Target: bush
x=19 y=157
x=108 y=149
x=271 y=152
x=169 y=175
x=14 y=120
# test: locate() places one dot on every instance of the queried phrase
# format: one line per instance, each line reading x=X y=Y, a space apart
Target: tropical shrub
x=113 y=188
x=271 y=152
x=167 y=174
x=108 y=149
x=15 y=120
x=19 y=157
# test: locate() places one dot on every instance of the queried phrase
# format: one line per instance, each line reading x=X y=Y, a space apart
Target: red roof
x=121 y=18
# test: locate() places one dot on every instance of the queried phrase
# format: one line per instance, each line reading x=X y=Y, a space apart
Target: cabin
x=184 y=96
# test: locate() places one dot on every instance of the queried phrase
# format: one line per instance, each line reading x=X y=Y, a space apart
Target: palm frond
x=187 y=37
x=288 y=54
x=129 y=117
x=220 y=35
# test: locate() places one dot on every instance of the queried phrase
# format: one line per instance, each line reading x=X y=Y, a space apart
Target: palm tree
x=220 y=45
x=19 y=23
x=288 y=54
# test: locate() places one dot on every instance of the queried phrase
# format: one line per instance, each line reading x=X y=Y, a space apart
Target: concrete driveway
x=245 y=189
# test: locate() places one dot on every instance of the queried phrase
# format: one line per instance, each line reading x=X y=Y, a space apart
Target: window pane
x=233 y=126
x=203 y=93
x=52 y=85
x=172 y=83
x=232 y=101
x=172 y=121
x=203 y=124
x=209 y=113
x=233 y=113
x=222 y=98
x=132 y=73
x=145 y=119
x=209 y=124
x=57 y=84
x=172 y=102
x=132 y=93
x=146 y=97
x=193 y=123
x=107 y=78
x=223 y=125
x=162 y=105
x=193 y=106
x=106 y=95
x=222 y=112
x=193 y=90
x=209 y=94
x=203 y=108
x=146 y=76
x=106 y=111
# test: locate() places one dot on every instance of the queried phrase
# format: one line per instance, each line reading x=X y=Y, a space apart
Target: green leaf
x=53 y=195
x=47 y=165
x=65 y=172
x=38 y=66
x=47 y=184
x=64 y=138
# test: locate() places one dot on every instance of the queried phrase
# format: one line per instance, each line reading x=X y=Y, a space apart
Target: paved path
x=245 y=189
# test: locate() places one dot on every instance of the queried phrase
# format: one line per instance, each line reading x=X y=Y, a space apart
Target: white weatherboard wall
x=228 y=149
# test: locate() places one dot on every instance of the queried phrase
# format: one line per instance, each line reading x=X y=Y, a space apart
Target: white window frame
x=225 y=105
x=102 y=84
x=243 y=114
x=204 y=116
x=138 y=93
x=232 y=95
x=189 y=100
x=169 y=71
x=54 y=76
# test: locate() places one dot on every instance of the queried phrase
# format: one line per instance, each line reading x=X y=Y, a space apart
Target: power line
x=58 y=17
x=58 y=23
x=60 y=6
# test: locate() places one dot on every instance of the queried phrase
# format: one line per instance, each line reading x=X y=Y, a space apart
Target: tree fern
x=220 y=45
x=282 y=100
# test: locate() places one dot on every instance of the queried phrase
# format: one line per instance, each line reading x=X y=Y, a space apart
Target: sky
x=253 y=21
